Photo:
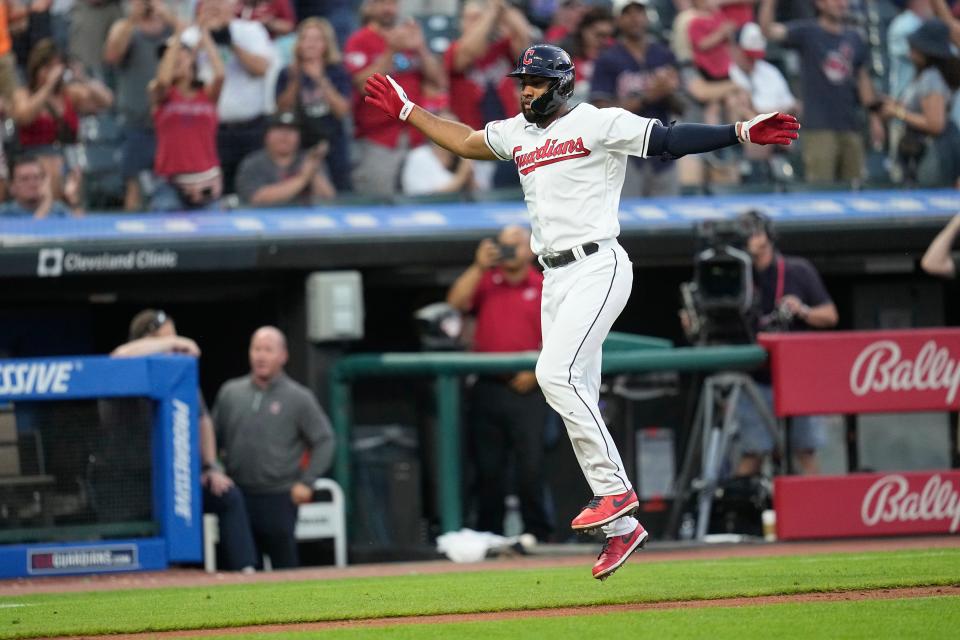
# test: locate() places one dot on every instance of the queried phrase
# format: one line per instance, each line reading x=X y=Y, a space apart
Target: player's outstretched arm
x=685 y=138
x=384 y=93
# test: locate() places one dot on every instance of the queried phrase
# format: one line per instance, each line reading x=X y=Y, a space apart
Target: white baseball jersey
x=572 y=171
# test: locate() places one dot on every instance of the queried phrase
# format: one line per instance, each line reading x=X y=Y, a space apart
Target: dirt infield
x=875 y=594
x=653 y=553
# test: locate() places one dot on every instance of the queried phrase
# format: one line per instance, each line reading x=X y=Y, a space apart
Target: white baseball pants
x=580 y=303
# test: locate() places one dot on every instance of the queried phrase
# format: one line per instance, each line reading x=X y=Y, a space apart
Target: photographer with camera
x=790 y=297
x=508 y=412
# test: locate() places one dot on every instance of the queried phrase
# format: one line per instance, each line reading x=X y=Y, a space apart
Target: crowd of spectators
x=224 y=103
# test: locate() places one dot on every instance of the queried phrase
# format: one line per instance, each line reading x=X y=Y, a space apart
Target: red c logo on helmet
x=528 y=56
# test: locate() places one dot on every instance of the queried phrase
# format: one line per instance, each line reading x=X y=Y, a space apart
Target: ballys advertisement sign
x=865 y=371
x=869 y=504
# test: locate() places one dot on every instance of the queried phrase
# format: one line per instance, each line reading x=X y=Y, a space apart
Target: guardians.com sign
x=82 y=559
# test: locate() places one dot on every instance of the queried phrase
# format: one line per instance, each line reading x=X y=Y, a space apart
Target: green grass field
x=95 y=613
x=927 y=618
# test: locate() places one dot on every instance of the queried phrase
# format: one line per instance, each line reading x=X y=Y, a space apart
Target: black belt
x=563 y=258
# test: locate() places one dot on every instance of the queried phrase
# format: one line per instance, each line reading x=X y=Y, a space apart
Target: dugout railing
x=623 y=353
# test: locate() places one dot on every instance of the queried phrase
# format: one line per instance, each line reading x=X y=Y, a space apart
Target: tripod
x=714 y=427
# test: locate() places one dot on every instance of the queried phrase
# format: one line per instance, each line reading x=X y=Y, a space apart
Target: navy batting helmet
x=547 y=61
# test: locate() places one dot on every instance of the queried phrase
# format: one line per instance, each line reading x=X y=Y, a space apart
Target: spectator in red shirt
x=493 y=37
x=185 y=119
x=711 y=36
x=384 y=45
x=738 y=11
x=276 y=15
x=508 y=413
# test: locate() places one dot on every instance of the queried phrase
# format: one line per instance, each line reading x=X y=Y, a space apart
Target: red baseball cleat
x=616 y=550
x=602 y=510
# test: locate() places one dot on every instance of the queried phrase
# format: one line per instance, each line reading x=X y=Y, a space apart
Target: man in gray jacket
x=264 y=423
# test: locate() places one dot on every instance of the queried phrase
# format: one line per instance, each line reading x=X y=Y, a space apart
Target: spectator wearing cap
x=911 y=16
x=763 y=83
x=494 y=34
x=639 y=75
x=185 y=119
x=929 y=148
x=280 y=175
x=836 y=87
x=761 y=89
x=247 y=96
x=388 y=46
x=317 y=88
x=132 y=49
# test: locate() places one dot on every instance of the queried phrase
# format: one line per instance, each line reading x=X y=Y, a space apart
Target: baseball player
x=571 y=163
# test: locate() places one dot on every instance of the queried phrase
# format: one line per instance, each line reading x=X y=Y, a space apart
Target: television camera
x=720 y=303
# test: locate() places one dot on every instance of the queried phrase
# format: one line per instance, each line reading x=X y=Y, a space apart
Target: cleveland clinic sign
x=54 y=262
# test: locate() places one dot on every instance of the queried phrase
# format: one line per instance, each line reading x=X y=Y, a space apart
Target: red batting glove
x=769 y=128
x=384 y=93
